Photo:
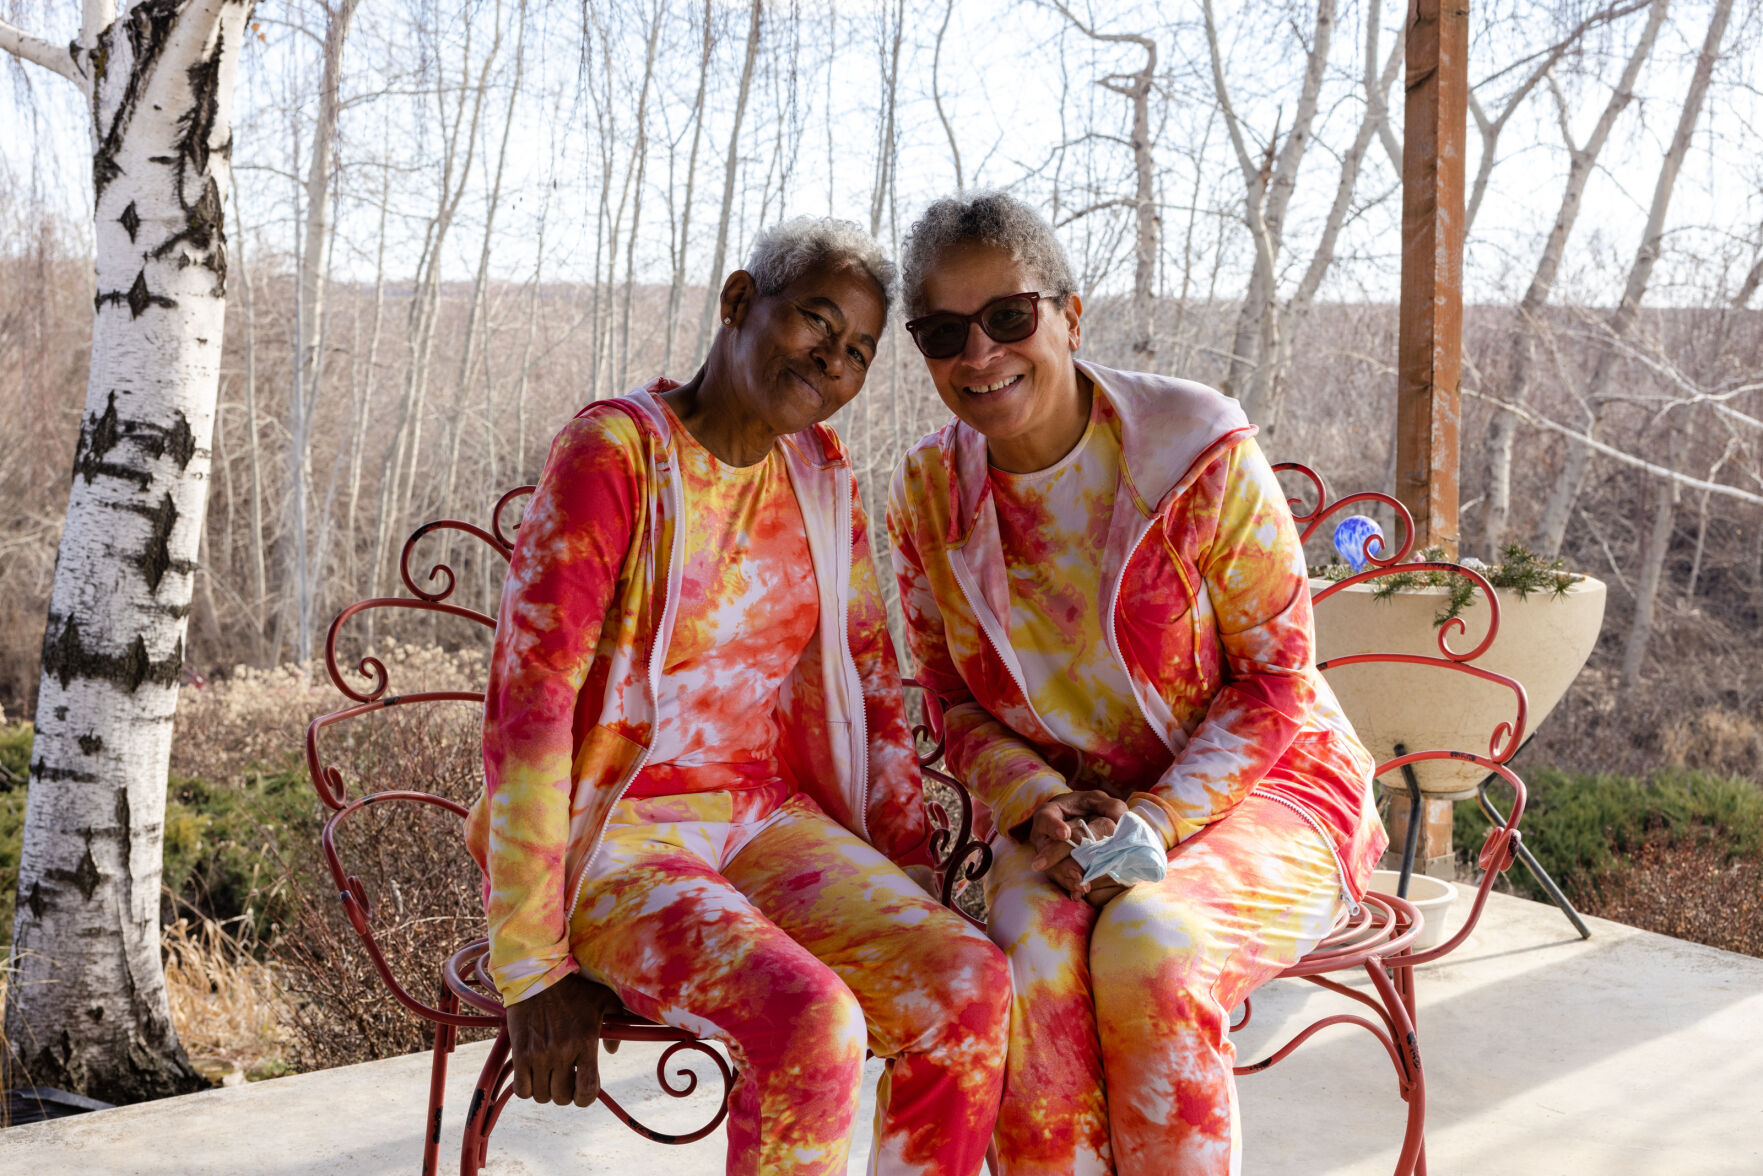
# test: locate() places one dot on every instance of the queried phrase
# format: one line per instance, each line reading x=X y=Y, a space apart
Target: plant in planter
x=1548 y=621
x=1519 y=569
x=1417 y=666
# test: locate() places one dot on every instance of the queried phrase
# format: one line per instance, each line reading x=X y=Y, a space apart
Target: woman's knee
x=823 y=1014
x=1135 y=951
x=979 y=995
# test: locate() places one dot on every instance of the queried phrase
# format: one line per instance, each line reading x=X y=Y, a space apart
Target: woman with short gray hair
x=1102 y=581
x=696 y=755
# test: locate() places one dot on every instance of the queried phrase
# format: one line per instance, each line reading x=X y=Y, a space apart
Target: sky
x=1016 y=81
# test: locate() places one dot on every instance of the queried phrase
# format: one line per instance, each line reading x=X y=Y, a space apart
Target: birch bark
x=87 y=1010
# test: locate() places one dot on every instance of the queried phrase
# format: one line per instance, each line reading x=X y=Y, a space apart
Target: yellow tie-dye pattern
x=1054 y=527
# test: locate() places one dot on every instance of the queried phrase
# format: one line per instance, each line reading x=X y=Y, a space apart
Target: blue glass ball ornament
x=1350 y=540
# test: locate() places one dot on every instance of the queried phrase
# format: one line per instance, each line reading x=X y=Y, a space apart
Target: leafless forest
x=453 y=225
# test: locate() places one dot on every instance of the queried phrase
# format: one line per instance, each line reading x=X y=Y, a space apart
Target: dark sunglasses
x=1009 y=319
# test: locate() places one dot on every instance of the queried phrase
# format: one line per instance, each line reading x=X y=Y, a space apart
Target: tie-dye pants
x=774 y=930
x=1120 y=1055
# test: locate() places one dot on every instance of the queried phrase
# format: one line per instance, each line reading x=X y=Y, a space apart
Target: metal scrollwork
x=688 y=1084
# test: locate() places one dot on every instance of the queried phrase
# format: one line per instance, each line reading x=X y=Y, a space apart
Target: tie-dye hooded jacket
x=585 y=620
x=1206 y=605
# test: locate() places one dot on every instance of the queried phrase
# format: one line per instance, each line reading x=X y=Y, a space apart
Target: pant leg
x=1054 y=1117
x=1242 y=901
x=681 y=945
x=934 y=991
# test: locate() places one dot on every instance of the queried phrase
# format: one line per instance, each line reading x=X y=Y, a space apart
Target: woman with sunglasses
x=696 y=754
x=1101 y=578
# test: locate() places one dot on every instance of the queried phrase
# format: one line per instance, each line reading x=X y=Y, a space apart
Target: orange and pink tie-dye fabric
x=747 y=609
x=1120 y=1059
x=568 y=711
x=1120 y=1056
x=780 y=933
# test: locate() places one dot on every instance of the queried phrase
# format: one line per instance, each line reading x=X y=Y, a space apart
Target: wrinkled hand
x=1050 y=828
x=554 y=1039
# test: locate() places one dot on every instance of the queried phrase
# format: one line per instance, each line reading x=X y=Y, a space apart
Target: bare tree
x=1558 y=509
x=309 y=316
x=1136 y=87
x=1582 y=161
x=1269 y=182
x=730 y=168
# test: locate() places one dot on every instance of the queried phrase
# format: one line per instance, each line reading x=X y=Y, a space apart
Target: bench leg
x=481 y=1117
x=446 y=1036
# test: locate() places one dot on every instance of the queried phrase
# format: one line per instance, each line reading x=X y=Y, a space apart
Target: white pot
x=1543 y=642
x=1433 y=896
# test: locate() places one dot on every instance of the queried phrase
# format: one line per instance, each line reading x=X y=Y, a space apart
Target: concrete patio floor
x=1630 y=1054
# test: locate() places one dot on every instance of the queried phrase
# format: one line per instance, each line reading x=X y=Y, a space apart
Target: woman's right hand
x=1050 y=831
x=554 y=1039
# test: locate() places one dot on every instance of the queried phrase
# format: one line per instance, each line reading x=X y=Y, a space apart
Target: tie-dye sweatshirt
x=748 y=608
x=1204 y=604
x=588 y=610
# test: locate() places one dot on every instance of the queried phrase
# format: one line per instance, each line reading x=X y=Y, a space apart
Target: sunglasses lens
x=1010 y=320
x=942 y=335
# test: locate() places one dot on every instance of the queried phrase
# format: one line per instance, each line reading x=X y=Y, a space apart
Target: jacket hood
x=1169 y=430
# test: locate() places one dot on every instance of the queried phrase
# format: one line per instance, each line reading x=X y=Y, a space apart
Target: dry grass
x=226 y=1003
x=251 y=718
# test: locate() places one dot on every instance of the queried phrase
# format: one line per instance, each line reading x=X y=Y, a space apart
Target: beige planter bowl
x=1433 y=896
x=1543 y=642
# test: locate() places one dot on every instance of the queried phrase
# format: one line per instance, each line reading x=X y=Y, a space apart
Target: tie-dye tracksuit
x=1135 y=620
x=697 y=766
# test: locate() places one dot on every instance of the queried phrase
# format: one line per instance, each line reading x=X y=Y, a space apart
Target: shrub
x=15 y=760
x=1645 y=851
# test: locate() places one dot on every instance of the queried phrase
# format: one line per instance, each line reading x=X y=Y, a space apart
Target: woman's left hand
x=1051 y=827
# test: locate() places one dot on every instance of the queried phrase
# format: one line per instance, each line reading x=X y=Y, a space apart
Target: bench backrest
x=1507 y=736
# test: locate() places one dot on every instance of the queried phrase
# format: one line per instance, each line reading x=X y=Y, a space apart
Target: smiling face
x=1024 y=396
x=802 y=353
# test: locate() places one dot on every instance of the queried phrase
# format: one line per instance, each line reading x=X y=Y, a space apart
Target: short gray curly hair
x=991 y=218
x=787 y=250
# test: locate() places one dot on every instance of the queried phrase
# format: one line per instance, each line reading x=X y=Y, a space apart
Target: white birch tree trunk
x=87 y=1009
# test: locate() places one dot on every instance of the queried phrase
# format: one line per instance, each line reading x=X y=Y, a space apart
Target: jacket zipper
x=663 y=629
x=1310 y=819
x=853 y=676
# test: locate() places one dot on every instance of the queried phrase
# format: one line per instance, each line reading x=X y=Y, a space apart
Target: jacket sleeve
x=1005 y=771
x=897 y=822
x=569 y=553
x=1238 y=529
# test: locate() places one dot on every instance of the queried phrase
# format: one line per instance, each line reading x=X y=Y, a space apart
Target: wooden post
x=1429 y=350
x=1429 y=359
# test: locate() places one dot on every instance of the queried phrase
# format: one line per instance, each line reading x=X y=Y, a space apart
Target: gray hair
x=785 y=251
x=990 y=218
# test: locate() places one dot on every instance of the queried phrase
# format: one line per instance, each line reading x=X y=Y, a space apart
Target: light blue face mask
x=1134 y=853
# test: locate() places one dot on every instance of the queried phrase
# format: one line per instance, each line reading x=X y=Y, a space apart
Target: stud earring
x=728 y=320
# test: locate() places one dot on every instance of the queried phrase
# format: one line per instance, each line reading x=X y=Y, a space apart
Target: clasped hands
x=1052 y=832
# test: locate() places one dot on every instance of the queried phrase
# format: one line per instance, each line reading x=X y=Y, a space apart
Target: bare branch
x=1611 y=451
x=54 y=58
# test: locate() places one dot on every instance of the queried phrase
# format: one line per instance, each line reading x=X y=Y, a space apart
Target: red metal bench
x=1377 y=941
x=466 y=999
